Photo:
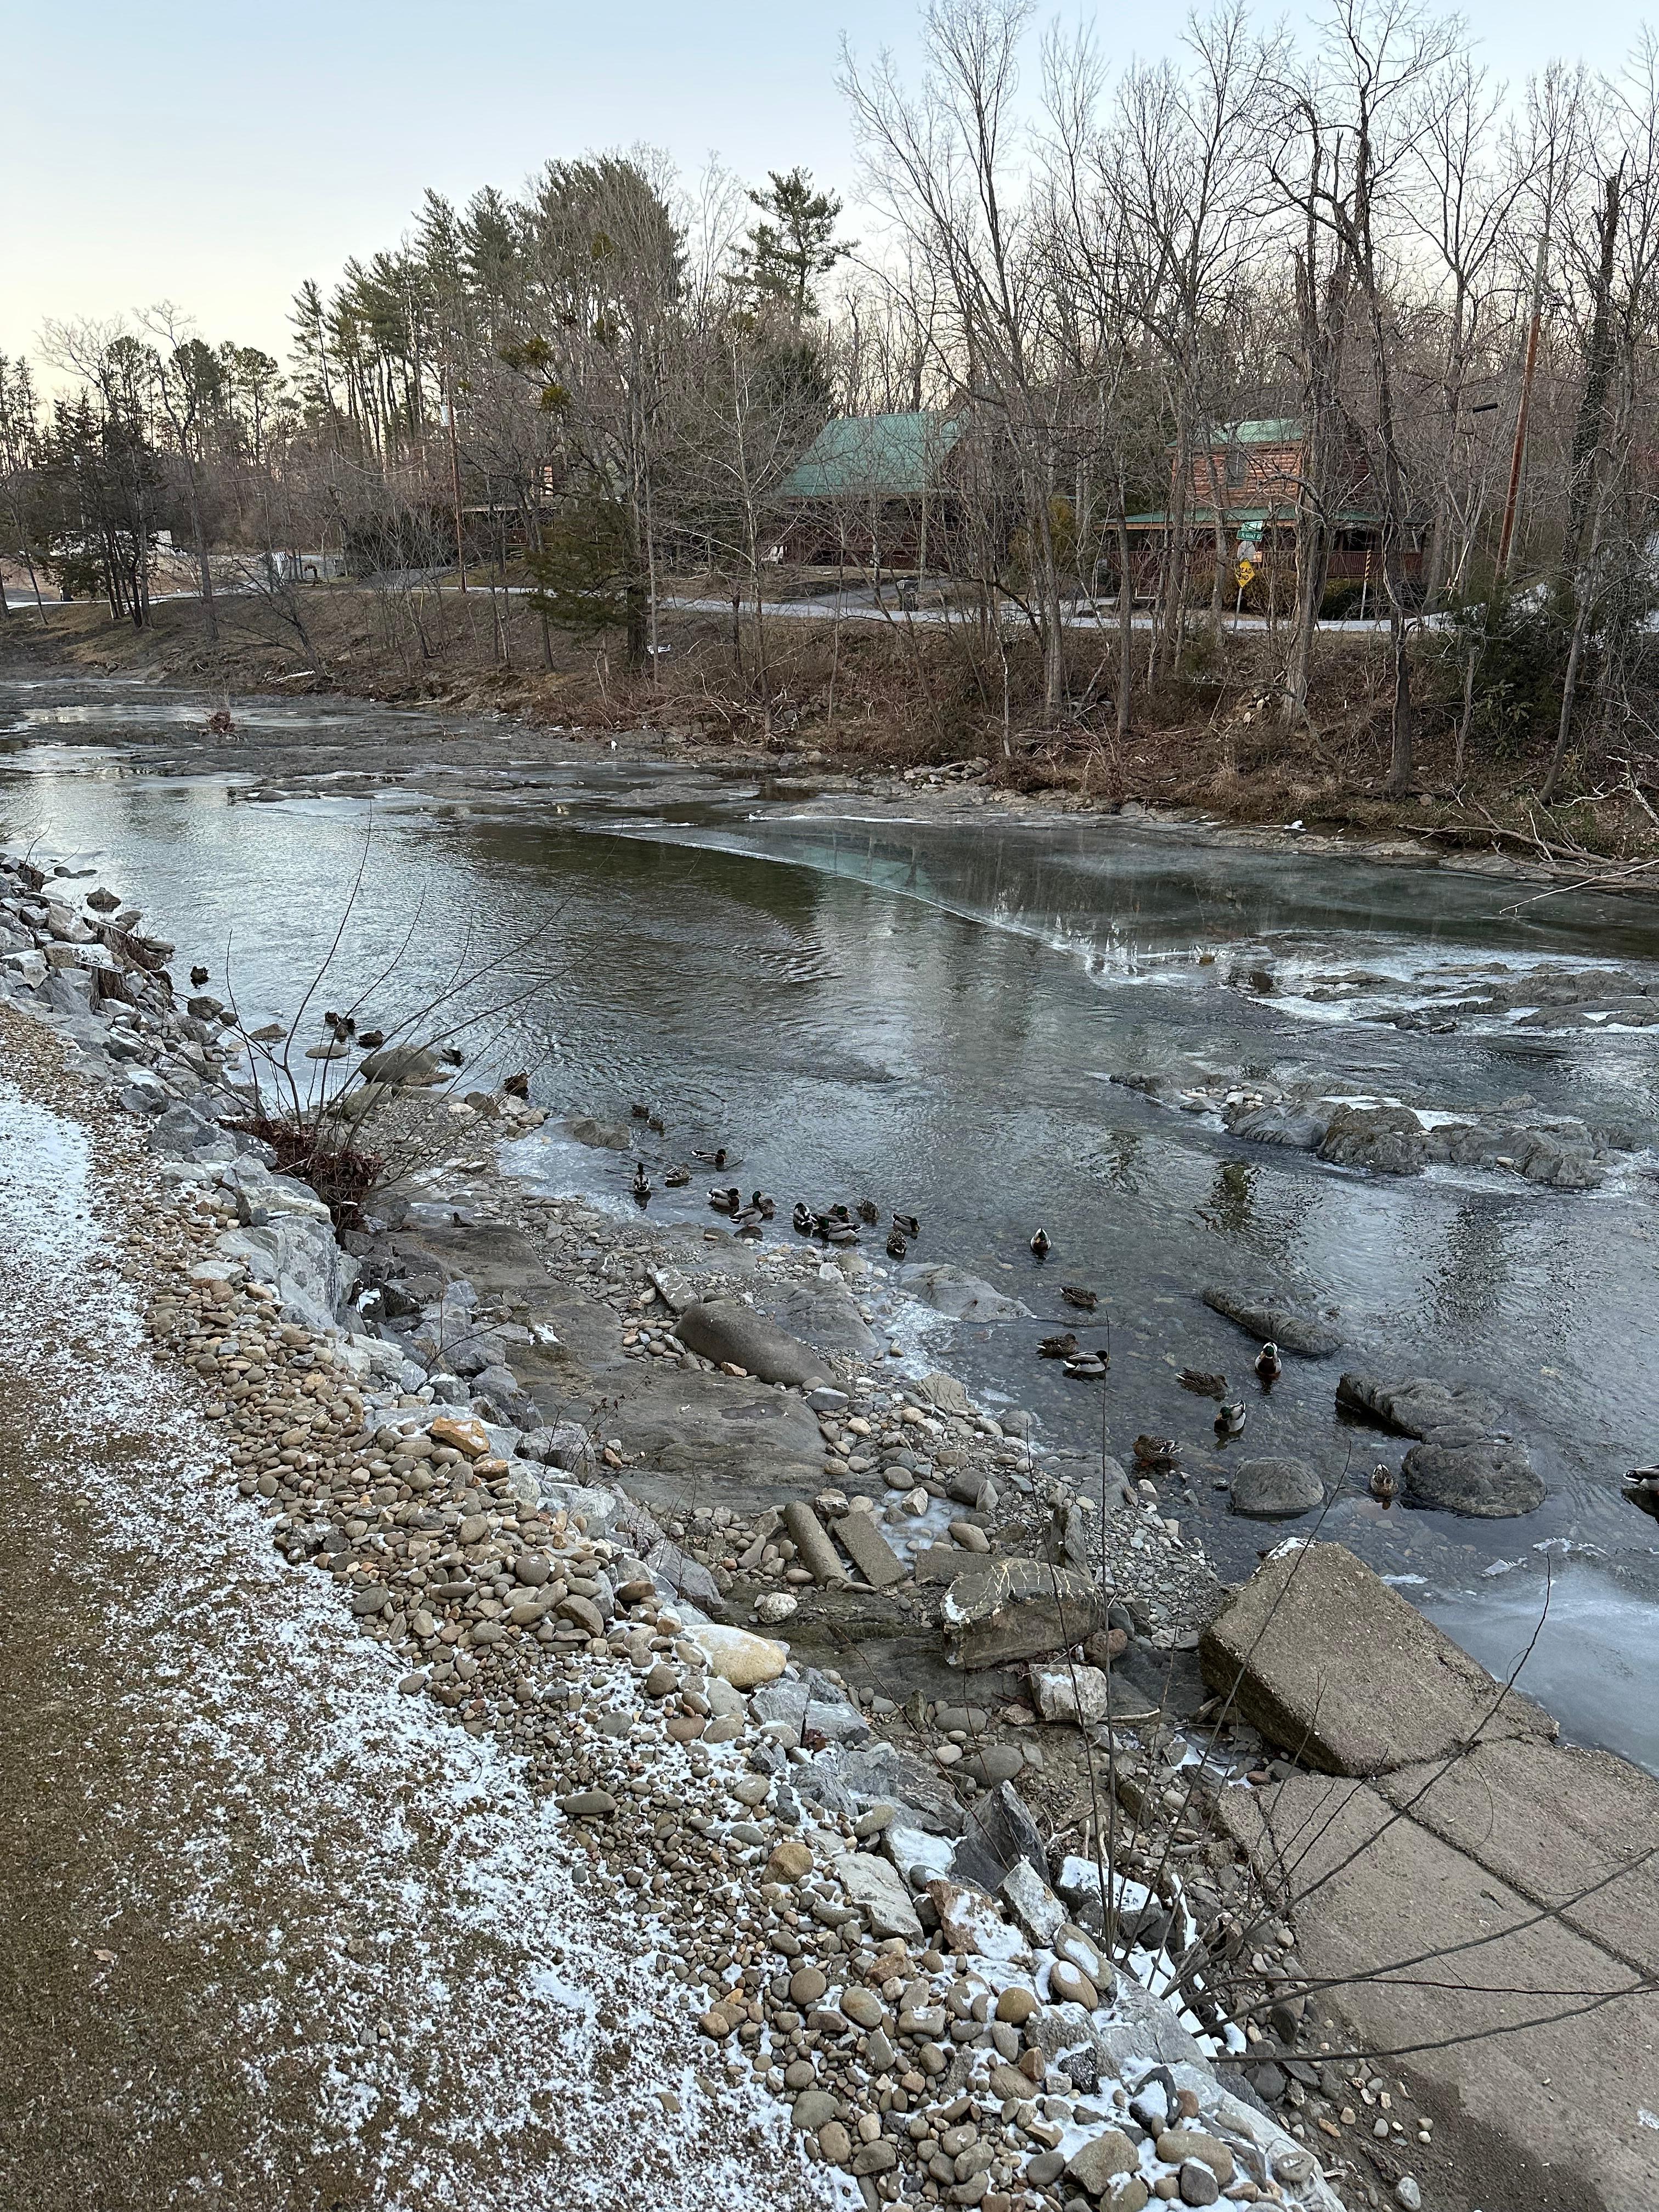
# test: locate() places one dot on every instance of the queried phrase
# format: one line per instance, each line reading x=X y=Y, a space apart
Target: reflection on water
x=927 y=1013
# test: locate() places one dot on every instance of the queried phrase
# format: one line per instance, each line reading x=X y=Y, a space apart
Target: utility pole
x=1507 y=535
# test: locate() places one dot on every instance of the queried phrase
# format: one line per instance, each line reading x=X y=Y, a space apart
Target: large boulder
x=405 y=1064
x=1321 y=1657
x=1489 y=1478
x=1265 y=1315
x=1019 y=1609
x=297 y=1253
x=1467 y=1461
x=1276 y=1489
x=604 y=1136
x=826 y=1315
x=1419 y=1405
x=962 y=1297
x=1387 y=1139
x=1296 y=1129
x=725 y=1329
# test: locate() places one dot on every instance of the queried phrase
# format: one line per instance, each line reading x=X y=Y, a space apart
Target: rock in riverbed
x=1467 y=1461
x=1265 y=1317
x=1275 y=1489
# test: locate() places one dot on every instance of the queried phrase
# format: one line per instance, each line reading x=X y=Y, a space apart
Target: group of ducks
x=836 y=1225
x=839 y=1224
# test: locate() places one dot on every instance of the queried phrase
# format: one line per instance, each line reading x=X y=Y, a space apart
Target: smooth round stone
x=835 y=2143
x=792 y=1861
x=862 y=2006
x=807 y=1985
x=663 y=1680
x=1015 y=2006
x=686 y=1728
x=813 y=2109
x=1069 y=1984
x=1275 y=1489
x=532 y=1569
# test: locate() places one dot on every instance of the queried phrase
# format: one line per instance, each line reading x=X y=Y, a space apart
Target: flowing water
x=931 y=1012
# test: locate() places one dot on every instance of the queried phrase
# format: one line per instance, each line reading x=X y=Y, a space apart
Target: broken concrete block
x=1019 y=1609
x=1326 y=1660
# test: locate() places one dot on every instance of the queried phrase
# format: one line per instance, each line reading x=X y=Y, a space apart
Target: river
x=932 y=1011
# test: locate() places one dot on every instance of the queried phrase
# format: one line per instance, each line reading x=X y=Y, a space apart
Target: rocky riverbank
x=865 y=1918
x=844 y=1686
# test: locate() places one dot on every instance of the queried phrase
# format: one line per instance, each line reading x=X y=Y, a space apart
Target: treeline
x=1443 y=290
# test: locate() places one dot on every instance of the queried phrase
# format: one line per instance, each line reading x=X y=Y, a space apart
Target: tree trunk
x=1125 y=625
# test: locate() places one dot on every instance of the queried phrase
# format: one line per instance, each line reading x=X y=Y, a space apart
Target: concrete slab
x=1561 y=2104
x=1326 y=1660
x=1551 y=1819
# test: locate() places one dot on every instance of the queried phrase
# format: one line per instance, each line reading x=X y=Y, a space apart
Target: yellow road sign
x=1245 y=570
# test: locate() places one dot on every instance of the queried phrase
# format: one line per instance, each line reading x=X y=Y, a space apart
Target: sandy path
x=271 y=1936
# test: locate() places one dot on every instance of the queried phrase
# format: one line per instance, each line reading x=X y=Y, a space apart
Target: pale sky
x=216 y=155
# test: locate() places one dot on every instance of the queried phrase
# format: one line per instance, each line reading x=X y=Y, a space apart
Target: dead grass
x=888 y=696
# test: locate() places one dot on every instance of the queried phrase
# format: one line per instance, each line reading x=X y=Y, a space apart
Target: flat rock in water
x=1296 y=1129
x=401 y=1063
x=726 y=1329
x=1386 y=1139
x=605 y=1136
x=963 y=1296
x=1276 y=1489
x=1419 y=1405
x=1467 y=1461
x=1265 y=1316
x=1018 y=1609
x=1321 y=1657
x=1489 y=1478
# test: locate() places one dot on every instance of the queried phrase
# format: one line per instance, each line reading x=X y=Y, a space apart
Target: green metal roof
x=874 y=456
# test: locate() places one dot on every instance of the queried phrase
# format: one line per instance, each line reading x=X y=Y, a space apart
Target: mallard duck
x=1086 y=1301
x=641 y=1184
x=656 y=1126
x=1641 y=1487
x=907 y=1224
x=802 y=1220
x=839 y=1212
x=1269 y=1365
x=1384 y=1485
x=1058 y=1347
x=675 y=1178
x=198 y=977
x=370 y=1040
x=518 y=1086
x=639 y=1113
x=1040 y=1245
x=725 y=1201
x=837 y=1232
x=1229 y=1419
x=896 y=1246
x=715 y=1159
x=1085 y=1367
x=1201 y=1385
x=869 y=1212
x=1157 y=1451
x=762 y=1207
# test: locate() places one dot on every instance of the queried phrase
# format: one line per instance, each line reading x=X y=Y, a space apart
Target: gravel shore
x=438 y=1821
